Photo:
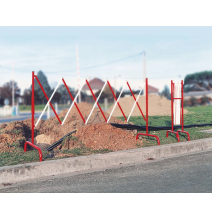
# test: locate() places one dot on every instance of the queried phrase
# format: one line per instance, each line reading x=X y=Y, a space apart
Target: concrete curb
x=21 y=172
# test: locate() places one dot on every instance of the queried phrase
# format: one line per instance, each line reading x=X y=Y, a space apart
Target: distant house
x=96 y=85
x=197 y=94
x=152 y=90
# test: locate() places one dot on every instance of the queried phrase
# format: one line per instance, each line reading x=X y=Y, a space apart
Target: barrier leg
x=155 y=136
x=34 y=146
x=185 y=133
x=177 y=134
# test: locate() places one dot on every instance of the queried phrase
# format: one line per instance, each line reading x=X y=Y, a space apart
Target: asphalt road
x=22 y=116
x=191 y=173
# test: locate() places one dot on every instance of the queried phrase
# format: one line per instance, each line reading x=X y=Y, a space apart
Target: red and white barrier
x=136 y=102
x=145 y=118
x=96 y=103
x=177 y=109
x=117 y=102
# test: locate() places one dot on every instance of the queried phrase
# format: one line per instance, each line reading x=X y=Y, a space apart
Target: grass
x=41 y=107
x=84 y=151
x=28 y=107
x=196 y=115
x=17 y=132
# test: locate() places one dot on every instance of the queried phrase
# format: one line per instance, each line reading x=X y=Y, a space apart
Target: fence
x=177 y=114
x=96 y=103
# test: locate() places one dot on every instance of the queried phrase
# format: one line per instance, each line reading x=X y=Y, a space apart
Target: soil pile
x=105 y=136
x=51 y=127
x=158 y=106
x=12 y=135
x=97 y=134
x=100 y=137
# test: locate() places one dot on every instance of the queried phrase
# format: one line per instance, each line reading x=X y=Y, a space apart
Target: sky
x=171 y=53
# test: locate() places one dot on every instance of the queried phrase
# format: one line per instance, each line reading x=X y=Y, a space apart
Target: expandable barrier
x=96 y=103
x=48 y=103
x=145 y=119
x=176 y=109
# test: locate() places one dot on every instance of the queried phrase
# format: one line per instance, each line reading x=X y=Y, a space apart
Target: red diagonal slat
x=95 y=100
x=73 y=100
x=48 y=99
x=116 y=100
x=135 y=100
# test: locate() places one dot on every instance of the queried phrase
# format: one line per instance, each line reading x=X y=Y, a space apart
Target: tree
x=27 y=97
x=166 y=92
x=44 y=82
x=6 y=91
x=64 y=95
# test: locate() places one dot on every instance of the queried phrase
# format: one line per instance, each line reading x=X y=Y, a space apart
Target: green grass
x=196 y=115
x=84 y=151
x=38 y=107
x=17 y=132
x=28 y=107
x=41 y=107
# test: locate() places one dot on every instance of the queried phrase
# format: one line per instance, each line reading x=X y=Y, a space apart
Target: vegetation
x=196 y=115
x=6 y=92
x=200 y=81
x=197 y=77
x=166 y=92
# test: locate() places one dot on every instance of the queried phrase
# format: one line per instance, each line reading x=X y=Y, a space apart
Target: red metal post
x=147 y=134
x=33 y=107
x=135 y=100
x=172 y=88
x=116 y=100
x=73 y=100
x=172 y=98
x=95 y=100
x=48 y=99
x=182 y=123
x=147 y=105
x=155 y=136
x=34 y=146
x=182 y=103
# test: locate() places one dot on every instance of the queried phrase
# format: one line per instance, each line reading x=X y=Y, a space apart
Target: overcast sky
x=171 y=52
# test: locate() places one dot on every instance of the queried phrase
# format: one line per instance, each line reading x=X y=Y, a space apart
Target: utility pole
x=115 y=87
x=78 y=74
x=144 y=71
x=13 y=90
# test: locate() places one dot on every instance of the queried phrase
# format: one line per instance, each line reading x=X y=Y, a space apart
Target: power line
x=81 y=69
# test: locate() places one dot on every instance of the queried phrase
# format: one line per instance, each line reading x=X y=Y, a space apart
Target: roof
x=152 y=89
x=196 y=93
x=96 y=84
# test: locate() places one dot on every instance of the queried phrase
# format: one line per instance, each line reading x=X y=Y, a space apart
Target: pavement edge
x=22 y=172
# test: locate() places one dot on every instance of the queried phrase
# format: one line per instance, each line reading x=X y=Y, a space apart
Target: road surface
x=191 y=173
x=22 y=116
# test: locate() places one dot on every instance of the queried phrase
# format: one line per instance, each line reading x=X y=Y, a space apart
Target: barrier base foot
x=155 y=136
x=34 y=146
x=185 y=133
x=177 y=134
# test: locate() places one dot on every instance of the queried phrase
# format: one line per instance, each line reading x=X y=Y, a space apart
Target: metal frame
x=48 y=103
x=181 y=119
x=146 y=119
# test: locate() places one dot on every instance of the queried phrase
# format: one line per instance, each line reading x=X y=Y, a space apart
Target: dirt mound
x=158 y=106
x=97 y=134
x=105 y=136
x=12 y=135
x=74 y=121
